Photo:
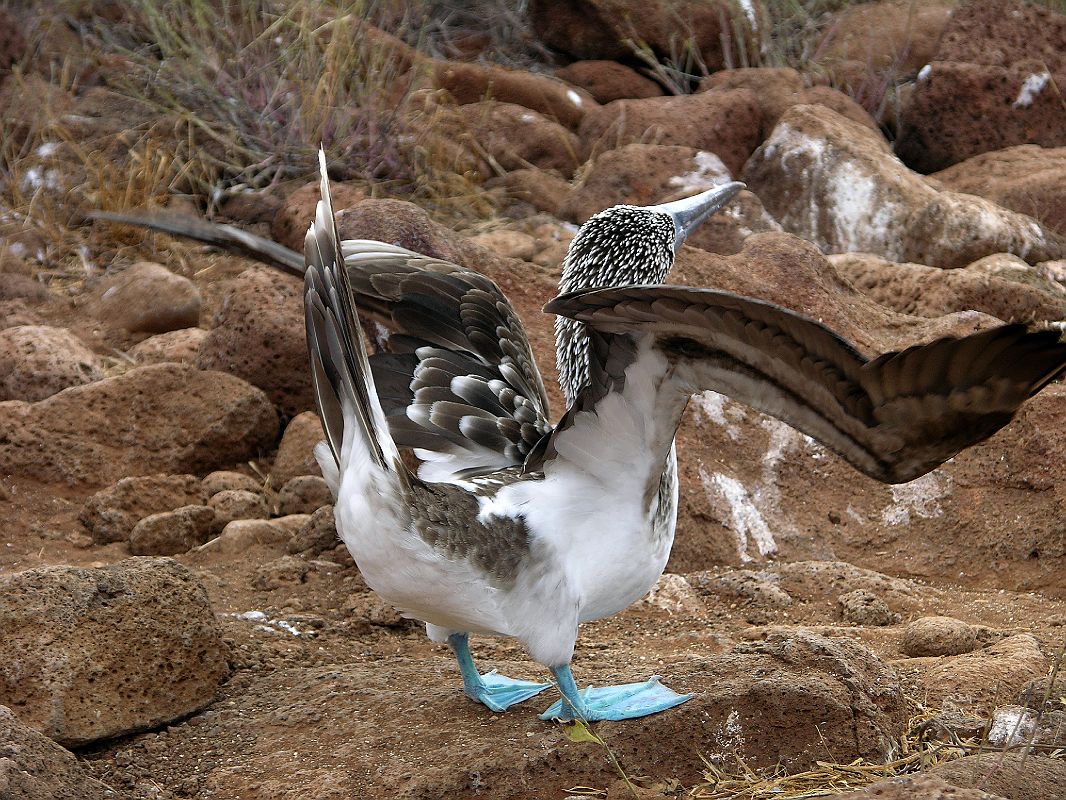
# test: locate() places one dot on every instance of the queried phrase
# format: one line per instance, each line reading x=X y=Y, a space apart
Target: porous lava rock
x=258 y=335
x=111 y=513
x=916 y=787
x=837 y=184
x=608 y=80
x=612 y=29
x=931 y=292
x=726 y=123
x=165 y=418
x=1028 y=179
x=231 y=504
x=180 y=346
x=296 y=453
x=304 y=494
x=981 y=680
x=36 y=361
x=33 y=767
x=959 y=110
x=938 y=636
x=510 y=136
x=1004 y=33
x=1017 y=775
x=296 y=213
x=89 y=654
x=146 y=297
x=171 y=532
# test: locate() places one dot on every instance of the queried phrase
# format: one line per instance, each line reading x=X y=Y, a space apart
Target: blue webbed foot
x=496 y=691
x=499 y=692
x=628 y=701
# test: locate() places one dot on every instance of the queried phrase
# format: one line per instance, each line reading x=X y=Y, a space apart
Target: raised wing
x=458 y=383
x=894 y=418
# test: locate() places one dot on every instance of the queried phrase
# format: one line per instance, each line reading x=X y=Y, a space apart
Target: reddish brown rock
x=1028 y=179
x=555 y=99
x=938 y=636
x=179 y=347
x=163 y=418
x=296 y=453
x=146 y=297
x=231 y=504
x=85 y=651
x=226 y=480
x=778 y=89
x=610 y=29
x=33 y=767
x=111 y=514
x=515 y=137
x=294 y=216
x=36 y=361
x=863 y=607
x=528 y=191
x=508 y=243
x=304 y=494
x=607 y=81
x=836 y=183
x=889 y=40
x=17 y=286
x=1017 y=775
x=916 y=787
x=258 y=336
x=1005 y=33
x=960 y=110
x=726 y=123
x=931 y=292
x=986 y=678
x=171 y=532
x=317 y=535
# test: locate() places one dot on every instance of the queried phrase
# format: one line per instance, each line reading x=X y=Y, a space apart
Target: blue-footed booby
x=518 y=528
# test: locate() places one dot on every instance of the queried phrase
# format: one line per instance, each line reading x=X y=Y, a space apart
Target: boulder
x=726 y=123
x=959 y=110
x=317 y=535
x=298 y=210
x=1005 y=33
x=180 y=347
x=614 y=29
x=225 y=479
x=33 y=767
x=607 y=81
x=527 y=191
x=508 y=243
x=36 y=361
x=296 y=453
x=304 y=494
x=777 y=89
x=169 y=533
x=146 y=297
x=509 y=136
x=863 y=607
x=111 y=513
x=1028 y=179
x=89 y=654
x=258 y=336
x=231 y=504
x=1018 y=775
x=930 y=291
x=981 y=680
x=916 y=787
x=837 y=184
x=164 y=418
x=938 y=636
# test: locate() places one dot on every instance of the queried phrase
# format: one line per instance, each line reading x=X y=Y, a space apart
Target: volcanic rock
x=163 y=418
x=85 y=651
x=180 y=347
x=146 y=297
x=224 y=480
x=296 y=454
x=231 y=504
x=1018 y=775
x=33 y=767
x=515 y=137
x=111 y=513
x=981 y=680
x=36 y=361
x=607 y=81
x=298 y=211
x=837 y=184
x=171 y=532
x=304 y=494
x=938 y=636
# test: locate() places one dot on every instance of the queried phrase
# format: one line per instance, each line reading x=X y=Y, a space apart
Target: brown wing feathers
x=895 y=417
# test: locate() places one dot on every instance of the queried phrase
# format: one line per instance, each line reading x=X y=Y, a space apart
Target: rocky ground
x=177 y=619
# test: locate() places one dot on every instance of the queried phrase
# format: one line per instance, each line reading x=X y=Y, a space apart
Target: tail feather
x=343 y=383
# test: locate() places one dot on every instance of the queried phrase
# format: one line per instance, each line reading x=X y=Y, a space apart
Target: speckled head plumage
x=620 y=246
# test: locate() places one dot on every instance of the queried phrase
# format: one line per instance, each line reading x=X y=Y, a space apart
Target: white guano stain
x=748 y=7
x=709 y=171
x=925 y=72
x=728 y=739
x=573 y=97
x=747 y=521
x=1031 y=87
x=1012 y=726
x=715 y=407
x=918 y=498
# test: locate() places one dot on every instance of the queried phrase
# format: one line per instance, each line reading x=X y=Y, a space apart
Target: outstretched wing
x=894 y=418
x=459 y=383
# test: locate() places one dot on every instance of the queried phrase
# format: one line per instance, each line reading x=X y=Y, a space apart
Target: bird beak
x=687 y=214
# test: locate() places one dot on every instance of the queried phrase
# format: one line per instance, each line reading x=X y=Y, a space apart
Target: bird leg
x=626 y=701
x=496 y=691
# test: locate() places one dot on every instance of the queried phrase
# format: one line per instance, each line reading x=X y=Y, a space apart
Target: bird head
x=637 y=244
